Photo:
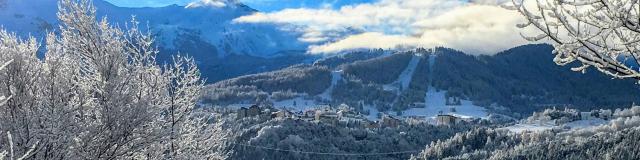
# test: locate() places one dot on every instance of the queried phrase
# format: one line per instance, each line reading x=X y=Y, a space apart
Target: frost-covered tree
x=618 y=139
x=11 y=153
x=98 y=94
x=604 y=34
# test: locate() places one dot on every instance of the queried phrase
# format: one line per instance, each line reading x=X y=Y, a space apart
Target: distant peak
x=212 y=3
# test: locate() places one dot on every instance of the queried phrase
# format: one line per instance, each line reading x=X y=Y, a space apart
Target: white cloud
x=366 y=40
x=212 y=3
x=476 y=27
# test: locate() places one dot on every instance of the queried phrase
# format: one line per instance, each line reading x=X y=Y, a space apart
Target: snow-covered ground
x=301 y=104
x=237 y=106
x=529 y=127
x=535 y=127
x=335 y=77
x=405 y=77
x=435 y=102
x=586 y=123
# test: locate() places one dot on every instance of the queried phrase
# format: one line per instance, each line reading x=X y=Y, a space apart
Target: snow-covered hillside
x=435 y=103
x=442 y=80
x=210 y=21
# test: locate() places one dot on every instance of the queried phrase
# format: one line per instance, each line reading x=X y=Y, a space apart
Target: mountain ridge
x=206 y=32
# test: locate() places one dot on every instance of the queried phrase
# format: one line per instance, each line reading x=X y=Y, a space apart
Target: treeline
x=382 y=70
x=297 y=139
x=354 y=92
x=364 y=80
x=335 y=61
x=299 y=79
x=616 y=140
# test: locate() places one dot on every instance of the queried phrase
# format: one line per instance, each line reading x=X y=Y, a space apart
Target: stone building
x=282 y=114
x=586 y=116
x=254 y=110
x=327 y=116
x=244 y=112
x=444 y=119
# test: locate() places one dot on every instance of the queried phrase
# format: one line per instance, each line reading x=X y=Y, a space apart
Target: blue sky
x=262 y=5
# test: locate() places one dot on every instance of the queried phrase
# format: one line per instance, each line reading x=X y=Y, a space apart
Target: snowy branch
x=604 y=34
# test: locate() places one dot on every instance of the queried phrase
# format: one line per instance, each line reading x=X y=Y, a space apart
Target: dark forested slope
x=526 y=78
x=522 y=79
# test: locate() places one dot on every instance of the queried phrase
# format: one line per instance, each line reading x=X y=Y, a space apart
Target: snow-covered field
x=296 y=104
x=529 y=127
x=534 y=127
x=585 y=123
x=435 y=103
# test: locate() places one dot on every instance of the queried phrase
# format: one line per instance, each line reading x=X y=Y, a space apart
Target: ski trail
x=335 y=77
x=404 y=79
x=435 y=102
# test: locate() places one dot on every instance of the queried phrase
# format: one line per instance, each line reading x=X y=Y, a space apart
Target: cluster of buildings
x=440 y=119
x=321 y=114
x=342 y=115
x=252 y=111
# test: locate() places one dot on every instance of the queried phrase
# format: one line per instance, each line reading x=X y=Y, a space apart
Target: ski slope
x=335 y=77
x=404 y=79
x=435 y=102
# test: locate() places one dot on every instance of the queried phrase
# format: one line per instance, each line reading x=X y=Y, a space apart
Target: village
x=345 y=115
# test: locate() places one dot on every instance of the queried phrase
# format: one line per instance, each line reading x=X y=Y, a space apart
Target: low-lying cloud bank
x=475 y=27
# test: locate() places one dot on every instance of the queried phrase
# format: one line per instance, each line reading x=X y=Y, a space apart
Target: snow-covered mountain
x=203 y=29
x=207 y=20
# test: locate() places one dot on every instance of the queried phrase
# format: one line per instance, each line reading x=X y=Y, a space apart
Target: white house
x=586 y=116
